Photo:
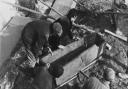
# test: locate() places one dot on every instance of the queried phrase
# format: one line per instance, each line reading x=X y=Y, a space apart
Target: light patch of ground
x=6 y=12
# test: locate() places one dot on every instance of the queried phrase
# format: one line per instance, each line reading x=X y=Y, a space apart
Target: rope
x=6 y=25
x=51 y=8
x=79 y=3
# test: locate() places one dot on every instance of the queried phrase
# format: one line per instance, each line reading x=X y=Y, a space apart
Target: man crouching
x=94 y=83
x=35 y=36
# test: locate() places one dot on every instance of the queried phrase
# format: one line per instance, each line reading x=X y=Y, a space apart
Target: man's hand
x=73 y=19
x=50 y=51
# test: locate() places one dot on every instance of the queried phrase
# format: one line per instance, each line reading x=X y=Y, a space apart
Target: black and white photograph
x=63 y=44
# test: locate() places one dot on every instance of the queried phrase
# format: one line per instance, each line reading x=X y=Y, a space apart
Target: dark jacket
x=35 y=35
x=44 y=80
x=54 y=42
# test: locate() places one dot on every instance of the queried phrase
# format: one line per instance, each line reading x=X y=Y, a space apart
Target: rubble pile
x=96 y=5
x=116 y=58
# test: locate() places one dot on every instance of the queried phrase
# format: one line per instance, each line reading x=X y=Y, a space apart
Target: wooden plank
x=115 y=35
x=59 y=53
x=84 y=69
x=78 y=63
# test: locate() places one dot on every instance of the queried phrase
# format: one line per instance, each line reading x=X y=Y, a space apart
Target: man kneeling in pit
x=94 y=83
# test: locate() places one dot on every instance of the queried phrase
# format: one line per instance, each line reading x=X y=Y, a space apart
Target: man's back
x=94 y=83
x=39 y=26
x=35 y=35
x=43 y=80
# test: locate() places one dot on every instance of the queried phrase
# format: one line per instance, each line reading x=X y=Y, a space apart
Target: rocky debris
x=96 y=5
x=118 y=61
x=116 y=58
x=98 y=70
x=118 y=52
x=122 y=24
